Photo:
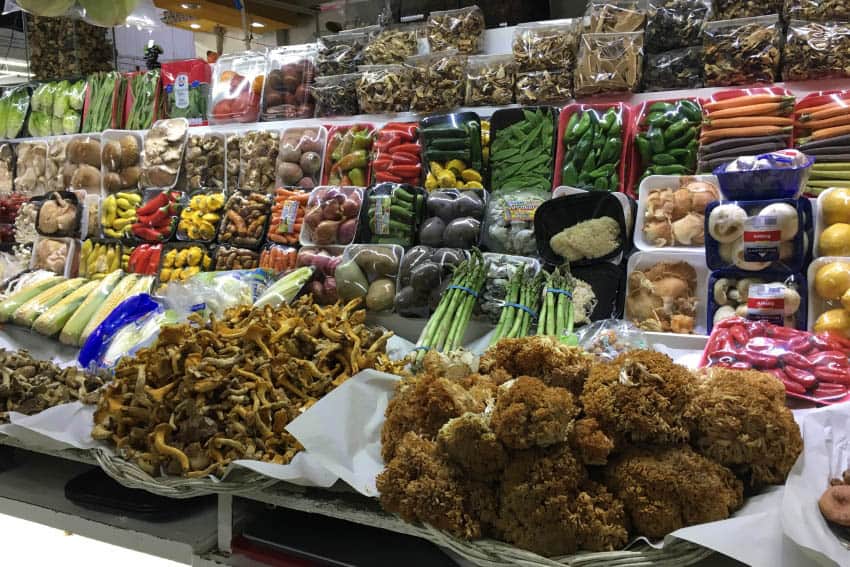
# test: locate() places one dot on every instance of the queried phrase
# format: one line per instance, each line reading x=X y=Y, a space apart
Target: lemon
x=835 y=240
x=834 y=320
x=832 y=280
x=836 y=206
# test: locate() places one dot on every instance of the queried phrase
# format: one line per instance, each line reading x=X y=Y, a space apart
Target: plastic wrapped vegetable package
x=204 y=161
x=324 y=260
x=199 y=220
x=237 y=87
x=668 y=137
x=438 y=81
x=82 y=167
x=729 y=9
x=287 y=217
x=742 y=51
x=162 y=153
x=347 y=155
x=182 y=261
x=234 y=258
x=14 y=106
x=509 y=221
x=453 y=151
x=776 y=175
x=30 y=167
x=592 y=146
x=244 y=222
x=462 y=29
x=548 y=45
x=607 y=16
x=816 y=51
x=59 y=214
x=142 y=102
x=673 y=70
x=290 y=72
x=543 y=87
x=120 y=154
x=609 y=62
x=391 y=214
x=822 y=131
x=817 y=10
x=384 y=88
x=453 y=218
x=423 y=274
x=105 y=98
x=186 y=90
x=490 y=80
x=99 y=258
x=777 y=297
x=278 y=258
x=674 y=24
x=522 y=148
x=369 y=271
x=500 y=269
x=258 y=153
x=341 y=53
x=7 y=167
x=336 y=95
x=397 y=154
x=156 y=218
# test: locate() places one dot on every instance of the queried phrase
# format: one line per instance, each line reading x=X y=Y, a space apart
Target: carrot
x=825 y=113
x=748 y=121
x=743 y=132
x=746 y=100
x=826 y=123
x=824 y=133
x=765 y=109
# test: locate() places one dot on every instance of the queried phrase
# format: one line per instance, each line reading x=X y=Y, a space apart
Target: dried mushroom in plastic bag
x=673 y=24
x=816 y=51
x=818 y=10
x=437 y=81
x=384 y=88
x=609 y=62
x=538 y=46
x=743 y=51
x=258 y=160
x=393 y=45
x=336 y=95
x=490 y=80
x=675 y=69
x=607 y=16
x=543 y=87
x=462 y=29
x=730 y=9
x=343 y=52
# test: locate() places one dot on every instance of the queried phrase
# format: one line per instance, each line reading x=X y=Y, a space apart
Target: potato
x=377 y=261
x=112 y=155
x=129 y=151
x=381 y=295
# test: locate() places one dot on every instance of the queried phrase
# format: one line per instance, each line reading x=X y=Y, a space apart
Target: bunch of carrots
x=744 y=125
x=287 y=215
x=823 y=131
x=278 y=258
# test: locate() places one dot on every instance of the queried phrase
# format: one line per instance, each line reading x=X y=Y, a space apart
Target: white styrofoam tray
x=663 y=182
x=696 y=258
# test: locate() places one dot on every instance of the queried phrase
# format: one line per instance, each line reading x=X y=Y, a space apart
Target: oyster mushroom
x=662 y=298
x=690 y=229
x=726 y=223
x=659 y=232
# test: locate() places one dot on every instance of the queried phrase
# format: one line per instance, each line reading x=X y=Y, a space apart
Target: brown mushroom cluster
x=663 y=298
x=163 y=152
x=216 y=391
x=29 y=386
x=676 y=216
x=834 y=504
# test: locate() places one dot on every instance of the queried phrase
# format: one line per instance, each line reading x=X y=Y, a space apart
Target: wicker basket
x=131 y=476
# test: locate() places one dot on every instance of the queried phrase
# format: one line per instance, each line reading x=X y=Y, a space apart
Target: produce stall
x=358 y=281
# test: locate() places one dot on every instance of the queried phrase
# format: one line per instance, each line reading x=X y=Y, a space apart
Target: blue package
x=738 y=283
x=775 y=175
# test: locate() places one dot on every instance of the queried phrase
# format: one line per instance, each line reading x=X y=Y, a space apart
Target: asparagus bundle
x=101 y=94
x=522 y=304
x=558 y=313
x=446 y=327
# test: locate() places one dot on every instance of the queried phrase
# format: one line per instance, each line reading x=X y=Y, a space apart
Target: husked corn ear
x=52 y=321
x=27 y=313
x=11 y=303
x=73 y=329
x=121 y=292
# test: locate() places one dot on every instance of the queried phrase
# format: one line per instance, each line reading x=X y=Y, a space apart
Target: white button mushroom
x=724 y=312
x=726 y=222
x=740 y=262
x=787 y=217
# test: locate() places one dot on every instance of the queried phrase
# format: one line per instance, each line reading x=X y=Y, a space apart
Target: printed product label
x=520 y=210
x=762 y=238
x=766 y=302
x=382 y=215
x=181 y=91
x=287 y=217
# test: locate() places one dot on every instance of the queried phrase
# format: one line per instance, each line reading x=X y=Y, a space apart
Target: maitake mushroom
x=212 y=392
x=663 y=298
x=677 y=217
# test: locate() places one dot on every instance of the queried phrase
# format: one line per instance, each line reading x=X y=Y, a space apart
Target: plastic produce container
x=730 y=290
x=778 y=182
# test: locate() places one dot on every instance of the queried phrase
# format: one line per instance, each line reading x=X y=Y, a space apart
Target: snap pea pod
x=593 y=145
x=521 y=153
x=667 y=140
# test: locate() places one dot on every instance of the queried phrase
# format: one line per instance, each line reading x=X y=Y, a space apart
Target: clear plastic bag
x=344 y=52
x=490 y=80
x=816 y=51
x=609 y=62
x=213 y=293
x=500 y=269
x=258 y=151
x=393 y=45
x=332 y=216
x=608 y=16
x=336 y=95
x=453 y=218
x=204 y=161
x=672 y=70
x=287 y=89
x=301 y=155
x=438 y=81
x=509 y=221
x=609 y=338
x=674 y=24
x=424 y=271
x=324 y=260
x=186 y=90
x=59 y=214
x=743 y=51
x=384 y=88
x=462 y=29
x=817 y=10
x=538 y=46
x=369 y=271
x=730 y=9
x=237 y=87
x=278 y=258
x=543 y=87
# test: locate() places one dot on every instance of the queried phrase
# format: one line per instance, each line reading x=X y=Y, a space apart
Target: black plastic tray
x=609 y=284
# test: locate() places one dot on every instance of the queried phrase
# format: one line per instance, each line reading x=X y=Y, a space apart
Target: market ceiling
x=203 y=15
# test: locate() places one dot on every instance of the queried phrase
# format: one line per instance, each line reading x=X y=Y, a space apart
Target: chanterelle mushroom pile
x=212 y=392
x=663 y=298
x=30 y=386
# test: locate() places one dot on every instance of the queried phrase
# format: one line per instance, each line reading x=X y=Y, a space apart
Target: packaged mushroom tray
x=162 y=153
x=755 y=235
x=57 y=255
x=423 y=276
x=258 y=153
x=205 y=161
x=82 y=168
x=120 y=155
x=30 y=168
x=778 y=297
x=59 y=214
x=369 y=271
x=671 y=211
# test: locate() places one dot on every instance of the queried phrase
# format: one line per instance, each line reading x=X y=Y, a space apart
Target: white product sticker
x=762 y=237
x=766 y=302
x=181 y=91
x=520 y=210
x=382 y=215
x=288 y=215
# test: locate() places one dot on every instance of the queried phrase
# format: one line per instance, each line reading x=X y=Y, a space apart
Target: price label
x=520 y=210
x=766 y=302
x=762 y=238
x=181 y=91
x=382 y=215
x=287 y=217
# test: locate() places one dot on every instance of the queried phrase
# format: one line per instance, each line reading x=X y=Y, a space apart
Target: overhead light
x=257 y=25
x=195 y=26
x=190 y=6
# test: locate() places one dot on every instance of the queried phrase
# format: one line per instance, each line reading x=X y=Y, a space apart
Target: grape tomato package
x=186 y=90
x=755 y=235
x=237 y=87
x=287 y=89
x=778 y=297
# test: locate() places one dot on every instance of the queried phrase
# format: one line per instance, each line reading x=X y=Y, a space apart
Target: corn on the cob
x=52 y=321
x=121 y=292
x=72 y=330
x=29 y=311
x=11 y=304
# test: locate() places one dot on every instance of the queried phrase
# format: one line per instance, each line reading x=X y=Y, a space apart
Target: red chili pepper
x=791 y=386
x=820 y=343
x=159 y=217
x=832 y=375
x=739 y=334
x=803 y=377
x=405 y=158
x=825 y=389
x=822 y=358
x=800 y=345
x=381 y=164
x=387 y=176
x=836 y=337
x=760 y=361
x=153 y=261
x=406 y=170
x=795 y=360
x=146 y=233
x=407 y=148
x=158 y=201
x=783 y=332
x=406 y=127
